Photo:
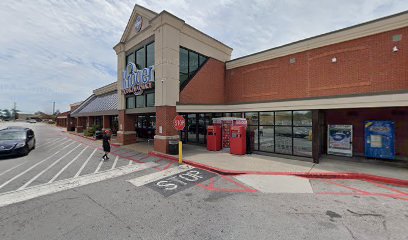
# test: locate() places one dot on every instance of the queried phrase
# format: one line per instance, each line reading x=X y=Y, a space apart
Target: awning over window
x=98 y=105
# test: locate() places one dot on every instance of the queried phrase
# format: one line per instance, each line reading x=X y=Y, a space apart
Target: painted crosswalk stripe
x=66 y=166
x=16 y=196
x=11 y=169
x=83 y=165
x=140 y=181
x=22 y=173
x=48 y=168
x=114 y=163
x=99 y=165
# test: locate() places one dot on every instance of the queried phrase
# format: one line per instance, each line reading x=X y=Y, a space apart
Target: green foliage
x=90 y=132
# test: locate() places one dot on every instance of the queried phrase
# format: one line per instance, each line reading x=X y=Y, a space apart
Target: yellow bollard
x=180 y=152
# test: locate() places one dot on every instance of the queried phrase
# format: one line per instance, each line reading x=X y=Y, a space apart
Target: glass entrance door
x=145 y=126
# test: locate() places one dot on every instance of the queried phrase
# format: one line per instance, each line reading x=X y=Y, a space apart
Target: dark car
x=16 y=141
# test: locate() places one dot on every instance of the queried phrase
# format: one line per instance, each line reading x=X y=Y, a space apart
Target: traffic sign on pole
x=179 y=123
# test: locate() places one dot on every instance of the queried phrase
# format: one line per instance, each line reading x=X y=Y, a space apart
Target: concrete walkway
x=260 y=163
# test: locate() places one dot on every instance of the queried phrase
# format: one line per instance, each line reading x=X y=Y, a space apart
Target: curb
x=92 y=139
x=325 y=175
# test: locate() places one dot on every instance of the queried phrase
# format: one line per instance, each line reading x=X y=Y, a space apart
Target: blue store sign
x=380 y=139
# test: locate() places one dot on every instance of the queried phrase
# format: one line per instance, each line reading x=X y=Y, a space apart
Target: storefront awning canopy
x=98 y=105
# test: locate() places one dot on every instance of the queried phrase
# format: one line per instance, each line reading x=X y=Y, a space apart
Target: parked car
x=16 y=141
x=32 y=121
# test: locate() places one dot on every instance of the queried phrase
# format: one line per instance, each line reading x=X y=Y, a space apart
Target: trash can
x=173 y=147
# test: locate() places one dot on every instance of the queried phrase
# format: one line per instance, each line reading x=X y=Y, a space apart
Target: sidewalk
x=225 y=162
x=329 y=167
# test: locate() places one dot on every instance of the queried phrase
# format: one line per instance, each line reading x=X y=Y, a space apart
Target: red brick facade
x=164 y=120
x=366 y=65
x=207 y=86
x=126 y=133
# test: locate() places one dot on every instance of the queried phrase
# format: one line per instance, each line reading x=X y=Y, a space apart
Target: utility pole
x=14 y=111
x=53 y=108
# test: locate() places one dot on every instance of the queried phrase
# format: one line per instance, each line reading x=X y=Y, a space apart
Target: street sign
x=179 y=123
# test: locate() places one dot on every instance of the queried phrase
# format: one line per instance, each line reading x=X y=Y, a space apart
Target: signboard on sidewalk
x=340 y=140
x=179 y=123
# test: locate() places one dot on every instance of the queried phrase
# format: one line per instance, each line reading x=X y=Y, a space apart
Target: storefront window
x=302 y=133
x=193 y=64
x=302 y=118
x=140 y=58
x=302 y=141
x=252 y=118
x=192 y=128
x=190 y=62
x=266 y=138
x=267 y=118
x=183 y=65
x=283 y=118
x=283 y=139
x=202 y=59
x=130 y=102
x=140 y=101
x=150 y=99
x=238 y=115
x=130 y=58
x=150 y=55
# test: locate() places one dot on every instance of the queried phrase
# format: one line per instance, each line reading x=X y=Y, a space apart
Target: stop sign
x=179 y=123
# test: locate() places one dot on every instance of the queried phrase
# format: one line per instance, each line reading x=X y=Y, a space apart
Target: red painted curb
x=336 y=175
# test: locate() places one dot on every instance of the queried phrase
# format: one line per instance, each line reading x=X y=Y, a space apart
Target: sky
x=61 y=50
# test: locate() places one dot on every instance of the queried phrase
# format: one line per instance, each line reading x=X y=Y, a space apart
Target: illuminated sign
x=135 y=81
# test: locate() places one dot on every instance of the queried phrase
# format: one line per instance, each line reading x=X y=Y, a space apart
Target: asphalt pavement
x=62 y=190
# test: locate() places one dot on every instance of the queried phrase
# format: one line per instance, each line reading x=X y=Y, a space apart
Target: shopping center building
x=343 y=92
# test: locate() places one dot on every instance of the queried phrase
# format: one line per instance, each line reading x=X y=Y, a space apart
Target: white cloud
x=62 y=50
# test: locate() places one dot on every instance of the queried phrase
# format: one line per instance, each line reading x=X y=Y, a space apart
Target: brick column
x=164 y=122
x=126 y=133
x=106 y=122
x=90 y=121
x=79 y=125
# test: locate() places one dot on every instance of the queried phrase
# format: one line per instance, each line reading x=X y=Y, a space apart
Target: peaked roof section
x=97 y=105
x=136 y=11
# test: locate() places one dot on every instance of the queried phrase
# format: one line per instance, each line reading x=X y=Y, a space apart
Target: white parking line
x=11 y=169
x=83 y=165
x=46 y=169
x=66 y=166
x=22 y=173
x=48 y=188
x=99 y=165
x=58 y=145
x=114 y=163
x=55 y=141
x=140 y=181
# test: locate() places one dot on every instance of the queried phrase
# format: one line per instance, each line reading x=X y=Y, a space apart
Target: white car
x=32 y=121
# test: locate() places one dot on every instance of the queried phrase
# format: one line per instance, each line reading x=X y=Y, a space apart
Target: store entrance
x=195 y=131
x=145 y=126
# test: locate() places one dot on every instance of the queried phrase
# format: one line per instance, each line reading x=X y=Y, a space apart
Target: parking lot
x=63 y=190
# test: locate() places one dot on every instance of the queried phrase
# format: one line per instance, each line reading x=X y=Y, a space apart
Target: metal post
x=180 y=152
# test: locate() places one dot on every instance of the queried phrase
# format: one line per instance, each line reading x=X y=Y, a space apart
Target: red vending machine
x=238 y=140
x=214 y=138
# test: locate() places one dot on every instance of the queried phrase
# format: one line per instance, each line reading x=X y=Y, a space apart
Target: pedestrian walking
x=106 y=144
